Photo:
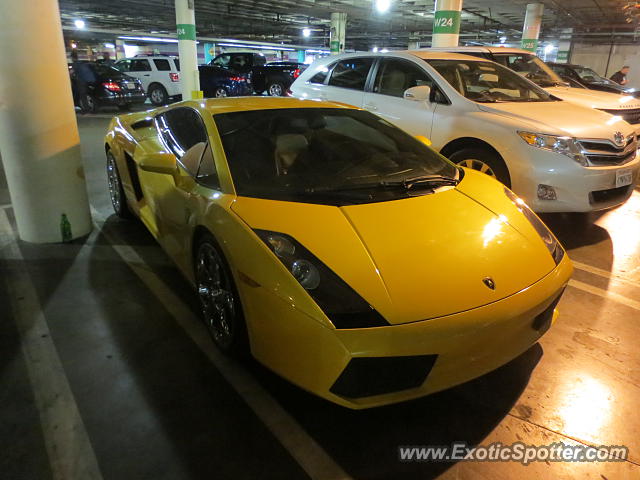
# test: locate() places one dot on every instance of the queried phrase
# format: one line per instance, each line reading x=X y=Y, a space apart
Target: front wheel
x=219 y=300
x=484 y=161
x=116 y=191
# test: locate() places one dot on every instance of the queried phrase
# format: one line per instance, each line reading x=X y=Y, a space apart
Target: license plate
x=624 y=178
x=131 y=86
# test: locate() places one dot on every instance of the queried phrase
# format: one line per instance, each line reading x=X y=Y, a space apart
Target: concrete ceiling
x=283 y=20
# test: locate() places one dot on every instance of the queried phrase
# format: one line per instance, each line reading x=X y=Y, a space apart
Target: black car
x=109 y=87
x=220 y=82
x=275 y=78
x=577 y=75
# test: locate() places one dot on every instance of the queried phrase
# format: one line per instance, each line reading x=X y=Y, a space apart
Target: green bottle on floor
x=65 y=228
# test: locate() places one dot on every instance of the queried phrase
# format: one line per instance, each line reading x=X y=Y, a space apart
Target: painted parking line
x=616 y=297
x=304 y=449
x=602 y=273
x=69 y=449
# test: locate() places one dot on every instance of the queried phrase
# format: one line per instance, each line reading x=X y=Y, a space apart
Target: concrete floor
x=158 y=402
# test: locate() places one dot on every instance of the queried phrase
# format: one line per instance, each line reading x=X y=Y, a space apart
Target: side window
x=351 y=73
x=177 y=62
x=124 y=65
x=181 y=129
x=321 y=76
x=396 y=76
x=140 y=66
x=222 y=61
x=207 y=174
x=162 y=65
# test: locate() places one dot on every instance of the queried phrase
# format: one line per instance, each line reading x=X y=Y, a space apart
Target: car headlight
x=554 y=143
x=549 y=239
x=339 y=302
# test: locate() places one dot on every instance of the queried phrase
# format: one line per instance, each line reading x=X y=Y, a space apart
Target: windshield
x=105 y=70
x=488 y=82
x=589 y=75
x=326 y=155
x=531 y=67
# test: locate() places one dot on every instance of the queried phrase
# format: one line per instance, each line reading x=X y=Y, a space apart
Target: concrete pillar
x=338 y=32
x=120 y=49
x=446 y=23
x=186 y=28
x=531 y=29
x=301 y=56
x=39 y=137
x=413 y=45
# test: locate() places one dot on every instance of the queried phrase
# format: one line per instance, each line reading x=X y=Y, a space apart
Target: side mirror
x=423 y=139
x=421 y=93
x=162 y=162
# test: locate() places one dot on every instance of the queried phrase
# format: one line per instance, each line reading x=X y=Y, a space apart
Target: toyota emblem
x=618 y=138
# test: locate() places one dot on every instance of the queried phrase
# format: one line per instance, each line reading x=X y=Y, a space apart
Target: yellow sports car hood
x=415 y=258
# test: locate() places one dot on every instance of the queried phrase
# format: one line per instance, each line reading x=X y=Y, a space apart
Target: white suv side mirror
x=420 y=93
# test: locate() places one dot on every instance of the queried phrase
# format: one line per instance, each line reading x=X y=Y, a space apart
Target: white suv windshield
x=531 y=67
x=487 y=82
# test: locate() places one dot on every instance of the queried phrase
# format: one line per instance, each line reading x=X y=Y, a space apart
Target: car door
x=393 y=76
x=183 y=133
x=347 y=81
x=141 y=69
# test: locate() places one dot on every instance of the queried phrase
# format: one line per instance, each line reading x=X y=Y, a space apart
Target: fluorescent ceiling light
x=306 y=32
x=109 y=45
x=150 y=39
x=79 y=23
x=259 y=47
x=383 y=5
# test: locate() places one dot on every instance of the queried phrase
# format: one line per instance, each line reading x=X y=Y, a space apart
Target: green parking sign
x=446 y=21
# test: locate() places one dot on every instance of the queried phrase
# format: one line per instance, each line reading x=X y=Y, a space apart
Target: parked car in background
x=558 y=156
x=275 y=78
x=219 y=82
x=159 y=74
x=588 y=78
x=532 y=67
x=111 y=88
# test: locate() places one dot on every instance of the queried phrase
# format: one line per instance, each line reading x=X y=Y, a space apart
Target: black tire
x=92 y=104
x=275 y=88
x=258 y=92
x=158 y=94
x=483 y=160
x=219 y=300
x=116 y=191
x=220 y=92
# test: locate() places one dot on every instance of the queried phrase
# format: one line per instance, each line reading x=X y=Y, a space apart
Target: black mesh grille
x=610 y=195
x=543 y=321
x=133 y=173
x=366 y=376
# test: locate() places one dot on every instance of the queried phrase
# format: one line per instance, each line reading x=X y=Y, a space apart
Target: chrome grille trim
x=601 y=152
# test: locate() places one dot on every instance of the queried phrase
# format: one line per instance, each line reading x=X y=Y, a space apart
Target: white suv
x=558 y=156
x=159 y=74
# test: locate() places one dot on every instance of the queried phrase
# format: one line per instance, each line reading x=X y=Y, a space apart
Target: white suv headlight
x=554 y=143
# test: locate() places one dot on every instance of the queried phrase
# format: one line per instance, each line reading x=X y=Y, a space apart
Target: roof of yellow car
x=236 y=104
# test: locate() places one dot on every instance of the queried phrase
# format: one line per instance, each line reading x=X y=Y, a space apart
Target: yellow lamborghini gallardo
x=342 y=253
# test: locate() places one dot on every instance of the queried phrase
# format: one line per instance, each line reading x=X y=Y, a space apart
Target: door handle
x=370 y=106
x=147 y=74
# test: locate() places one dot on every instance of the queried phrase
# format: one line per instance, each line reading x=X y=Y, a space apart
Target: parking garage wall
x=596 y=56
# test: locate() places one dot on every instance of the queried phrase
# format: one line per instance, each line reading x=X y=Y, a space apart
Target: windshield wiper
x=406 y=184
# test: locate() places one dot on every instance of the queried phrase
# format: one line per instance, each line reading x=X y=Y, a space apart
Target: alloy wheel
x=275 y=90
x=157 y=97
x=114 y=183
x=220 y=93
x=478 y=165
x=216 y=296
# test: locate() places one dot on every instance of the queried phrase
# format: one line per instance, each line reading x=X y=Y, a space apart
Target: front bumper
x=578 y=188
x=429 y=355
